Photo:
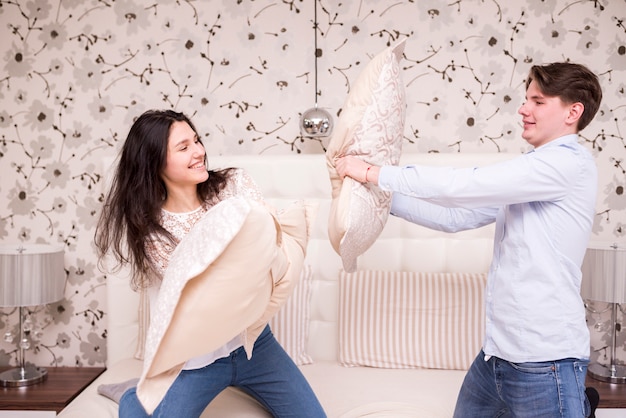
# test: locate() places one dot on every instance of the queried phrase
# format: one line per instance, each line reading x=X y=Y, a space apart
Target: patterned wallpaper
x=74 y=74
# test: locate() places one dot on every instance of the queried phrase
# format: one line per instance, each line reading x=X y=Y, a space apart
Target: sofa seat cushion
x=393 y=410
x=351 y=392
x=376 y=390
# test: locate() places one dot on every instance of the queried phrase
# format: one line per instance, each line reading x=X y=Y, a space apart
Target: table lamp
x=30 y=275
x=604 y=279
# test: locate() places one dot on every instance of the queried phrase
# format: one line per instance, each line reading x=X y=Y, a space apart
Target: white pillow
x=409 y=320
x=371 y=127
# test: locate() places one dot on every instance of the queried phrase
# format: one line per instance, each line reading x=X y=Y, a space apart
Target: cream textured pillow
x=235 y=268
x=371 y=127
x=406 y=320
x=291 y=324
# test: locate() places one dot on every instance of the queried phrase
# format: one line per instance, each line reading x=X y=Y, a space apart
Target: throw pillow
x=143 y=318
x=371 y=127
x=408 y=320
x=290 y=325
x=239 y=263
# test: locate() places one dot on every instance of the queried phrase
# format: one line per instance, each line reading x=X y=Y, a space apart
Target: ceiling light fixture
x=316 y=122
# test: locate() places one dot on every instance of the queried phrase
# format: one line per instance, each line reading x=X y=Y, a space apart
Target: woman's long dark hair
x=132 y=209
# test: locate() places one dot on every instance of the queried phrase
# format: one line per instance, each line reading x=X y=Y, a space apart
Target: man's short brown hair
x=572 y=83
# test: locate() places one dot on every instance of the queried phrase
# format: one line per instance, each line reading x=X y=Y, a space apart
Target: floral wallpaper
x=74 y=74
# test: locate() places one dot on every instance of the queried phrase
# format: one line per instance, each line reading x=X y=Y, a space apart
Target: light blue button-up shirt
x=543 y=204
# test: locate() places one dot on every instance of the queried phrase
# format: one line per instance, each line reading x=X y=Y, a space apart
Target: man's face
x=545 y=118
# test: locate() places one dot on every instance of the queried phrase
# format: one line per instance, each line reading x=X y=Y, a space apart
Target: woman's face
x=184 y=166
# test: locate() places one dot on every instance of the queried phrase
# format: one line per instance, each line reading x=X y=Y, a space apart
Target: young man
x=536 y=347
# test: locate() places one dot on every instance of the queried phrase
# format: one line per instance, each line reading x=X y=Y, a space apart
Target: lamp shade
x=604 y=273
x=31 y=274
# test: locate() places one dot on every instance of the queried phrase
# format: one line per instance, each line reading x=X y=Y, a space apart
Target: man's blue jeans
x=270 y=376
x=497 y=388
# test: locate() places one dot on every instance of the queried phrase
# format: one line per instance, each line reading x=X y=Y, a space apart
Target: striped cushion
x=143 y=315
x=410 y=320
x=290 y=325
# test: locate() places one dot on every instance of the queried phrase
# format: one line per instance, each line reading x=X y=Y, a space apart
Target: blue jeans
x=270 y=376
x=498 y=388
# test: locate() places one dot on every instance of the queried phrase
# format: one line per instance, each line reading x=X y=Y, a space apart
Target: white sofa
x=343 y=391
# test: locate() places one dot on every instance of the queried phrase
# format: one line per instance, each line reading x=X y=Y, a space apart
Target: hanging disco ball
x=316 y=122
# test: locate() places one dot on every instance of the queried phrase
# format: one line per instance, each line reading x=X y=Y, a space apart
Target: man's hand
x=357 y=169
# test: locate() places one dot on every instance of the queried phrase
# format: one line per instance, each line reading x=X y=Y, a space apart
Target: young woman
x=161 y=188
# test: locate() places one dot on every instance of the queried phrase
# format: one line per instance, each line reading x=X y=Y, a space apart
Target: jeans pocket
x=534 y=368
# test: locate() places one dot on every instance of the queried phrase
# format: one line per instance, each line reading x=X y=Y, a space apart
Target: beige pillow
x=371 y=127
x=290 y=325
x=409 y=320
x=229 y=275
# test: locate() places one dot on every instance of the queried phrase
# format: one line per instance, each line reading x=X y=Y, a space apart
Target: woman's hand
x=357 y=169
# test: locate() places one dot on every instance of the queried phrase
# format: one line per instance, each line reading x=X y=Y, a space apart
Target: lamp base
x=611 y=374
x=28 y=375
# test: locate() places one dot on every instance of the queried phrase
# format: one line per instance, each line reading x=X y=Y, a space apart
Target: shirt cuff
x=387 y=175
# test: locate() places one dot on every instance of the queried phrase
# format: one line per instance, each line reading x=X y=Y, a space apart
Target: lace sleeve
x=243 y=185
x=159 y=252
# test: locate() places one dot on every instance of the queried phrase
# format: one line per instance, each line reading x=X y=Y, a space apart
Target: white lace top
x=179 y=224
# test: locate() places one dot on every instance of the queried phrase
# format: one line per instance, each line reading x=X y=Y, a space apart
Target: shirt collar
x=565 y=140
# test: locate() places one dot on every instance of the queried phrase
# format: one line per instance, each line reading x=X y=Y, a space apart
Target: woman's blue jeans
x=270 y=376
x=497 y=388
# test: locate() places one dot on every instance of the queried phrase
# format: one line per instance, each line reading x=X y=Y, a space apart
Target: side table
x=612 y=395
x=53 y=394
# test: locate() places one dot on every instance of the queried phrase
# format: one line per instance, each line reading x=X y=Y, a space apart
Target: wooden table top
x=612 y=395
x=61 y=386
